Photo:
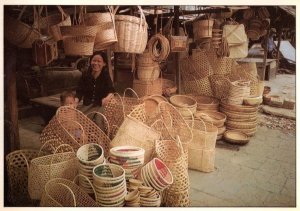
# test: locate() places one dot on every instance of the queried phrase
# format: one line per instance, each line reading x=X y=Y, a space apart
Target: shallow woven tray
x=235 y=137
x=238 y=108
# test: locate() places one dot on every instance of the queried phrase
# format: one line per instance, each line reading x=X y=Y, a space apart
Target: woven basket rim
x=234 y=136
x=175 y=100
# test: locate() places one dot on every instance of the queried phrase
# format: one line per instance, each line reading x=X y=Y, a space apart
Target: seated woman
x=95 y=86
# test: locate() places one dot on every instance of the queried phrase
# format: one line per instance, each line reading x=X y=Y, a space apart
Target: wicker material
x=148 y=73
x=19 y=33
x=202 y=148
x=78 y=40
x=106 y=34
x=238 y=108
x=184 y=104
x=127 y=133
x=171 y=153
x=214 y=117
x=238 y=91
x=72 y=127
x=202 y=28
x=61 y=192
x=145 y=88
x=176 y=199
x=202 y=64
x=242 y=116
x=130 y=103
x=219 y=85
x=131 y=32
x=205 y=103
x=17 y=164
x=236 y=137
x=241 y=125
x=198 y=86
x=248 y=132
x=159 y=47
x=42 y=169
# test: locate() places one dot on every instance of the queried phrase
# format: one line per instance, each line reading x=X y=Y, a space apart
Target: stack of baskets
x=216 y=118
x=110 y=185
x=240 y=117
x=148 y=70
x=238 y=90
x=130 y=158
x=205 y=103
x=89 y=156
x=216 y=38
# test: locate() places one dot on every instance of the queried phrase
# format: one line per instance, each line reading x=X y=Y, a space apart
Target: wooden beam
x=266 y=53
x=10 y=66
x=193 y=12
x=177 y=73
x=110 y=69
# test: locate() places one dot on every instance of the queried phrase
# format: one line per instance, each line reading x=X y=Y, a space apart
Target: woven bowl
x=238 y=108
x=235 y=137
x=214 y=117
x=183 y=101
x=253 y=101
x=90 y=154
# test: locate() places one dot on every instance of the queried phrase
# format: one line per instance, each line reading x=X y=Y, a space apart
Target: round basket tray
x=235 y=137
x=205 y=101
x=241 y=125
x=183 y=101
x=253 y=101
x=248 y=132
x=238 y=108
x=216 y=118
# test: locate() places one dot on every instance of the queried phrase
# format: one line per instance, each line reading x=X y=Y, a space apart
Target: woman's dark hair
x=100 y=53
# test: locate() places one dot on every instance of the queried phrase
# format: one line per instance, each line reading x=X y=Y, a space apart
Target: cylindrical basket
x=202 y=28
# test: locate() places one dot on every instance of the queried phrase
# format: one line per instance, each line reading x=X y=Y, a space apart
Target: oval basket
x=235 y=137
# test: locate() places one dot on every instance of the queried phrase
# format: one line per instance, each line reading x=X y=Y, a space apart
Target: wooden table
x=268 y=73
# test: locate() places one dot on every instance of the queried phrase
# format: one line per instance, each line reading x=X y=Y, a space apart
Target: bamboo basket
x=106 y=33
x=238 y=91
x=214 y=117
x=238 y=108
x=17 y=164
x=146 y=88
x=202 y=64
x=131 y=32
x=202 y=28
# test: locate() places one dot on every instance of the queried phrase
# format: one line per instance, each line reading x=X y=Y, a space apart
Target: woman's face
x=97 y=63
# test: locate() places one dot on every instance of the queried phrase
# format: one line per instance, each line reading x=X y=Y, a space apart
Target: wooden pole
x=265 y=54
x=277 y=48
x=10 y=54
x=176 y=26
x=110 y=69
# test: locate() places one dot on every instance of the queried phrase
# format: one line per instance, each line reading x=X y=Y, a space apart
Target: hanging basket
x=106 y=34
x=202 y=28
x=131 y=32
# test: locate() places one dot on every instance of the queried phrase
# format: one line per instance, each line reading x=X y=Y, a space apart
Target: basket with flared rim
x=131 y=32
x=106 y=33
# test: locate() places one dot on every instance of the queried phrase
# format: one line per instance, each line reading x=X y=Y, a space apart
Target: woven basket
x=148 y=73
x=239 y=115
x=198 y=86
x=238 y=108
x=238 y=91
x=106 y=34
x=176 y=199
x=171 y=153
x=50 y=25
x=236 y=137
x=145 y=88
x=78 y=39
x=202 y=28
x=42 y=169
x=61 y=192
x=169 y=87
x=17 y=164
x=219 y=85
x=19 y=33
x=145 y=59
x=127 y=133
x=205 y=102
x=131 y=32
x=241 y=125
x=202 y=64
x=248 y=132
x=214 y=117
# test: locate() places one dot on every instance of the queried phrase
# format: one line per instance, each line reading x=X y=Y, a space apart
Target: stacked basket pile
x=240 y=117
x=130 y=158
x=110 y=185
x=148 y=70
x=185 y=105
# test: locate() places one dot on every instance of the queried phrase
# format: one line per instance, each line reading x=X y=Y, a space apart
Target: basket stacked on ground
x=110 y=185
x=89 y=156
x=240 y=117
x=130 y=158
x=149 y=197
x=131 y=32
x=171 y=153
x=216 y=118
x=148 y=72
x=202 y=147
x=156 y=174
x=205 y=103
x=238 y=90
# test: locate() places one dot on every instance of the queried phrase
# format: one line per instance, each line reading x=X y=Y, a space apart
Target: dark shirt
x=94 y=90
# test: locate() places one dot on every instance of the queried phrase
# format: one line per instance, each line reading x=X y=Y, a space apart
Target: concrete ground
x=261 y=174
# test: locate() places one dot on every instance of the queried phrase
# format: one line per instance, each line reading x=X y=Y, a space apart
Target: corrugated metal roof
x=289 y=9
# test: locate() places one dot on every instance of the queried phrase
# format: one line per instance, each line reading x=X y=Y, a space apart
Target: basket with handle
x=78 y=39
x=42 y=169
x=129 y=103
x=106 y=34
x=17 y=164
x=127 y=132
x=178 y=43
x=19 y=33
x=60 y=192
x=131 y=32
x=203 y=28
x=202 y=148
x=50 y=24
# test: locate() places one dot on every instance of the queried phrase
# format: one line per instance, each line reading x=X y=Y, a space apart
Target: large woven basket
x=17 y=164
x=238 y=91
x=202 y=28
x=145 y=88
x=19 y=33
x=78 y=39
x=106 y=34
x=148 y=73
x=205 y=102
x=131 y=32
x=201 y=61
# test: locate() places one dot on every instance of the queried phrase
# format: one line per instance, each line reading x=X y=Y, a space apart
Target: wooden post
x=110 y=69
x=10 y=60
x=277 y=48
x=265 y=53
x=176 y=26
